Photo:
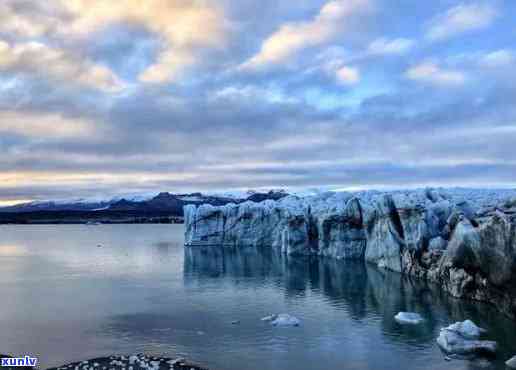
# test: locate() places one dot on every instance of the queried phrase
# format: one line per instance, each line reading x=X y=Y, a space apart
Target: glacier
x=462 y=239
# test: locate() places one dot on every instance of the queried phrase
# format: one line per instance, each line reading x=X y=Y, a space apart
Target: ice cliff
x=464 y=240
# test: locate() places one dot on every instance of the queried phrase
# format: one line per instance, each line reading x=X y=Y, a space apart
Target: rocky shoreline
x=120 y=362
x=464 y=240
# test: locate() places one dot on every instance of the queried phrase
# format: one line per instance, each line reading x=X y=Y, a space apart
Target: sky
x=102 y=97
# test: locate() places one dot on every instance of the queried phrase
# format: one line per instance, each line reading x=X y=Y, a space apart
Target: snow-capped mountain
x=133 y=205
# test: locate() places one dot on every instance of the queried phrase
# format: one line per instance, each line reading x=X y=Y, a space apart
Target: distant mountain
x=165 y=201
x=174 y=202
x=134 y=209
x=124 y=205
x=161 y=202
x=56 y=206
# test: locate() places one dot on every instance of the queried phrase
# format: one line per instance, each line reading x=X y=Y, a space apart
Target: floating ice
x=461 y=338
x=409 y=318
x=284 y=319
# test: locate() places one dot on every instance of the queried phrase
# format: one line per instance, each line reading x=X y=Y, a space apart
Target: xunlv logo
x=19 y=361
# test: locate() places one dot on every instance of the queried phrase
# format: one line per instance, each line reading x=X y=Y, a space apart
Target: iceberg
x=408 y=318
x=461 y=239
x=284 y=319
x=511 y=363
x=462 y=338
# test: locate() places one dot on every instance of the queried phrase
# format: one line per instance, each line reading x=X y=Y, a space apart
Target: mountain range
x=164 y=207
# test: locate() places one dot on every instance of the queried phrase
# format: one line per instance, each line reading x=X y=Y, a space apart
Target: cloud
x=461 y=19
x=431 y=73
x=347 y=75
x=32 y=20
x=43 y=125
x=499 y=58
x=185 y=121
x=295 y=36
x=184 y=27
x=162 y=146
x=384 y=46
x=329 y=72
x=253 y=93
x=168 y=67
x=74 y=179
x=38 y=59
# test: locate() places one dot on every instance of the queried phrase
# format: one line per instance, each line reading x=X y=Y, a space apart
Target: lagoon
x=72 y=292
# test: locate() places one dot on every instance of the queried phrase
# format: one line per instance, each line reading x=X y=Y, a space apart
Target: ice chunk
x=284 y=319
x=408 y=318
x=462 y=338
x=466 y=329
x=511 y=363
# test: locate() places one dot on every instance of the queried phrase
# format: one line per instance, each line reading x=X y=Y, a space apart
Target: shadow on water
x=364 y=291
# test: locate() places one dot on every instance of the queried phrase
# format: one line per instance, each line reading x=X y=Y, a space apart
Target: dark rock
x=137 y=362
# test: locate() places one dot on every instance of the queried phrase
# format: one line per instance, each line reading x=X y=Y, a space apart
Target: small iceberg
x=511 y=363
x=411 y=318
x=284 y=319
x=467 y=329
x=462 y=338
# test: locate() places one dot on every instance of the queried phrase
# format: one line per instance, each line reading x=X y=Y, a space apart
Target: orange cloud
x=185 y=27
x=55 y=63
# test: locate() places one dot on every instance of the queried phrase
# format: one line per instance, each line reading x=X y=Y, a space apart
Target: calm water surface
x=65 y=299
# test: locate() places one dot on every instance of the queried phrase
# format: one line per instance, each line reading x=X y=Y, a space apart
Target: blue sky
x=99 y=97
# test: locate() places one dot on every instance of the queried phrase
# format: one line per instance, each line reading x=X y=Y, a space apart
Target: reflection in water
x=363 y=290
x=143 y=291
x=336 y=280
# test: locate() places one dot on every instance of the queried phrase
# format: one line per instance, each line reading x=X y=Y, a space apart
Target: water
x=66 y=299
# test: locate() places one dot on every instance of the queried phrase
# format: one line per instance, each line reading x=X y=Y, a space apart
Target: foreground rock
x=133 y=362
x=464 y=240
x=461 y=338
x=410 y=318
